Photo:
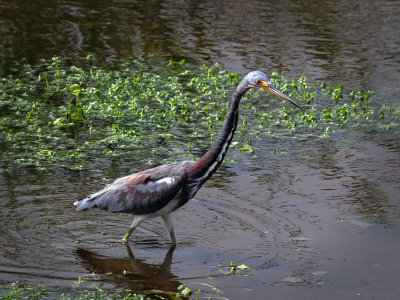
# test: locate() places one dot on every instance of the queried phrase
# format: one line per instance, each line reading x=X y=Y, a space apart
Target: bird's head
x=259 y=79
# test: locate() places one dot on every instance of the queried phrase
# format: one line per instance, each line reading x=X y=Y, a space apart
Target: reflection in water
x=131 y=273
x=328 y=207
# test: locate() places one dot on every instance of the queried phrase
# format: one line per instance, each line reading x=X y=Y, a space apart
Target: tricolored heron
x=160 y=191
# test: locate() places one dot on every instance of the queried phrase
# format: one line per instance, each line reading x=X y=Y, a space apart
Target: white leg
x=135 y=223
x=170 y=226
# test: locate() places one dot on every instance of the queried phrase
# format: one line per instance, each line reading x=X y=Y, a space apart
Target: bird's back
x=141 y=193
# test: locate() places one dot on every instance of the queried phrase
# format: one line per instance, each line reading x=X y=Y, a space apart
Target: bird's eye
x=258 y=81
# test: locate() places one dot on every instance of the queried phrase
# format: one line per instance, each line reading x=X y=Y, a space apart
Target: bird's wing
x=140 y=193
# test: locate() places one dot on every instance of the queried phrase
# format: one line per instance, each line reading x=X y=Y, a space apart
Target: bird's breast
x=170 y=207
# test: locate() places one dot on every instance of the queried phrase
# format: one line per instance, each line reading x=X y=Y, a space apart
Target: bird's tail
x=91 y=201
x=83 y=203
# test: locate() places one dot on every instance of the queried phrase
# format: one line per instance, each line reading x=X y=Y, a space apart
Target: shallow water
x=318 y=219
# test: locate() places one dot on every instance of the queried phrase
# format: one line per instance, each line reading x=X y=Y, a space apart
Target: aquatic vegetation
x=86 y=287
x=233 y=268
x=184 y=291
x=19 y=290
x=54 y=114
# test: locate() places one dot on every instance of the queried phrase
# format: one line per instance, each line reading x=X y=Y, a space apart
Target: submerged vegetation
x=20 y=290
x=88 y=287
x=55 y=114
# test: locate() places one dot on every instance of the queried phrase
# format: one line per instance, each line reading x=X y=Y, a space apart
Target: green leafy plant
x=83 y=116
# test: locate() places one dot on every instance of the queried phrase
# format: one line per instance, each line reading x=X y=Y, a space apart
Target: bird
x=159 y=191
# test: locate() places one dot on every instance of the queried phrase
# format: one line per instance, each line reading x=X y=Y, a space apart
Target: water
x=318 y=220
x=353 y=43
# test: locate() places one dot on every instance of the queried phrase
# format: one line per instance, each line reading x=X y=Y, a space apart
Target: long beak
x=268 y=87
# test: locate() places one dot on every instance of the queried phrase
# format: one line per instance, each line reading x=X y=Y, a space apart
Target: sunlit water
x=318 y=219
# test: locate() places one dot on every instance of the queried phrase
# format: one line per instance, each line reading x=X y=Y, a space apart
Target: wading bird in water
x=160 y=191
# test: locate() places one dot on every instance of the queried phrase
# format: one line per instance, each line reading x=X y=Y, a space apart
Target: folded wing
x=140 y=193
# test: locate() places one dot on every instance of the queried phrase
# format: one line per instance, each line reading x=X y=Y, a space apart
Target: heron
x=159 y=191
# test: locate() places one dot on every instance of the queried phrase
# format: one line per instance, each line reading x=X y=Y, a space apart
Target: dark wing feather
x=140 y=193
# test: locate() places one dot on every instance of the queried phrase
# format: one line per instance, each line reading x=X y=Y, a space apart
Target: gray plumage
x=141 y=193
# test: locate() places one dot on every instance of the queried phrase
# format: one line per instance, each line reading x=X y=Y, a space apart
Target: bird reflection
x=131 y=273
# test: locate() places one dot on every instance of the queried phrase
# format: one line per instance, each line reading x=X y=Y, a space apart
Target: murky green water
x=312 y=218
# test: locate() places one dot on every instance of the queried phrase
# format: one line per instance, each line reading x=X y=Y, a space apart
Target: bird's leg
x=129 y=250
x=136 y=221
x=170 y=226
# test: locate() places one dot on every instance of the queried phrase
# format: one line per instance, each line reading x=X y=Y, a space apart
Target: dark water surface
x=317 y=220
x=355 y=43
x=320 y=221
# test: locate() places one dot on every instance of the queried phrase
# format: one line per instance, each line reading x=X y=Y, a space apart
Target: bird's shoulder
x=169 y=174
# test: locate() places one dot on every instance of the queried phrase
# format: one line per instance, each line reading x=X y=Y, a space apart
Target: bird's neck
x=201 y=170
